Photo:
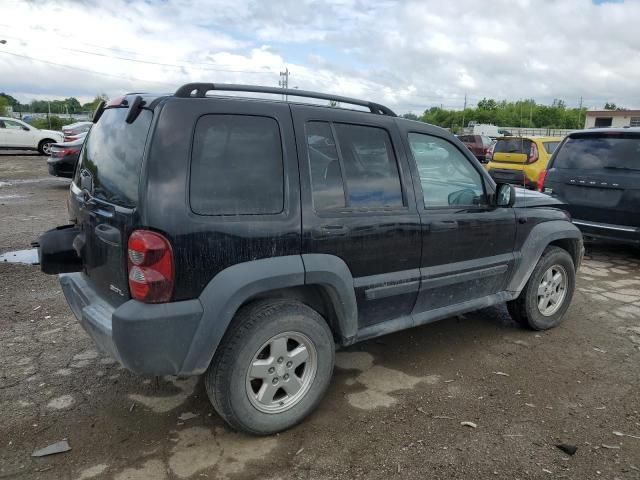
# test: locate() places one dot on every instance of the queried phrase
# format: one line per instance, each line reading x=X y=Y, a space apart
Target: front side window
x=237 y=166
x=360 y=171
x=447 y=177
x=550 y=147
x=11 y=125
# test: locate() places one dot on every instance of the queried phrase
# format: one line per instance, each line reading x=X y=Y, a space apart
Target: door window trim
x=347 y=210
x=422 y=203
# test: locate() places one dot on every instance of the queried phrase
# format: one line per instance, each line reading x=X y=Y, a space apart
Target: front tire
x=547 y=295
x=44 y=147
x=272 y=368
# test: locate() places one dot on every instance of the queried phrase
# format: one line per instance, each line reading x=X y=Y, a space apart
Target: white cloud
x=408 y=54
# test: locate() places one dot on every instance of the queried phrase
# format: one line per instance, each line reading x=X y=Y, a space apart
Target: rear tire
x=44 y=147
x=272 y=368
x=547 y=295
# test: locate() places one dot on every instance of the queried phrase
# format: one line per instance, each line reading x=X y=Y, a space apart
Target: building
x=612 y=118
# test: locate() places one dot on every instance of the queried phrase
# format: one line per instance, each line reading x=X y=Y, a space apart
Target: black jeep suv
x=244 y=239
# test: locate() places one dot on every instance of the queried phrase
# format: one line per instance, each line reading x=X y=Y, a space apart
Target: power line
x=85 y=70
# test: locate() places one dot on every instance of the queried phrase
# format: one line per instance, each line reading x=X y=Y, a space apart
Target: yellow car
x=519 y=160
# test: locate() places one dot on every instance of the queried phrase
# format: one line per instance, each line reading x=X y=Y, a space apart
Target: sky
x=409 y=55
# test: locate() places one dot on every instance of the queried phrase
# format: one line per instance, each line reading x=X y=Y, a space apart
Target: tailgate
x=598 y=175
x=104 y=198
x=511 y=150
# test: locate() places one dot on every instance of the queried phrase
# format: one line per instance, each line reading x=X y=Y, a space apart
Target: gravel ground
x=394 y=409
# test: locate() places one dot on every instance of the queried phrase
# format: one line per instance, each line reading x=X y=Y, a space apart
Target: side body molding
x=539 y=238
x=229 y=289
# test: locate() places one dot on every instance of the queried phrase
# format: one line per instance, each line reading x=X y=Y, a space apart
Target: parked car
x=519 y=160
x=64 y=157
x=478 y=144
x=73 y=131
x=16 y=134
x=597 y=173
x=282 y=230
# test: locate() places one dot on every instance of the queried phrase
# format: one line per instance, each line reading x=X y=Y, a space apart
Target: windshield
x=112 y=157
x=597 y=152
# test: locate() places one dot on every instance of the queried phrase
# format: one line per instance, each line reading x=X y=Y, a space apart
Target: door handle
x=108 y=234
x=444 y=225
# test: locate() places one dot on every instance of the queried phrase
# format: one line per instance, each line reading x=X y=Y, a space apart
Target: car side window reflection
x=447 y=177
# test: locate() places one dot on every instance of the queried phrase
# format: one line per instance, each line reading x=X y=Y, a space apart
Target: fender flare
x=538 y=239
x=229 y=289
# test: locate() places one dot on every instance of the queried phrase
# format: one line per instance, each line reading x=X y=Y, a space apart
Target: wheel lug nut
x=286 y=376
x=275 y=380
x=289 y=364
x=271 y=370
x=280 y=360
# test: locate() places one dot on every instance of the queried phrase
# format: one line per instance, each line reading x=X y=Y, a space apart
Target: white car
x=17 y=134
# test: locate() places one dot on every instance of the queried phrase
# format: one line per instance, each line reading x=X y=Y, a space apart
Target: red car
x=480 y=145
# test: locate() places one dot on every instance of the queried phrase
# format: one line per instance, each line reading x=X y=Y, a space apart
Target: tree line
x=520 y=113
x=61 y=107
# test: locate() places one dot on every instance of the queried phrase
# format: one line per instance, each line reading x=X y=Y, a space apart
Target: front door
x=358 y=204
x=467 y=244
x=15 y=135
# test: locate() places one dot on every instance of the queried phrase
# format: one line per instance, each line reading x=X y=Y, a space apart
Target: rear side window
x=594 y=152
x=513 y=145
x=550 y=147
x=112 y=156
x=359 y=171
x=236 y=166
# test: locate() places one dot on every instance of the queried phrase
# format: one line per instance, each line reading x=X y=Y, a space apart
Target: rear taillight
x=488 y=153
x=533 y=153
x=541 y=178
x=150 y=261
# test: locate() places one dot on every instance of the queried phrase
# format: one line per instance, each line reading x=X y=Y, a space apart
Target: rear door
x=358 y=205
x=104 y=196
x=598 y=175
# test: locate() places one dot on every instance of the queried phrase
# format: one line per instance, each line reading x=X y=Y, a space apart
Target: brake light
x=150 y=261
x=541 y=178
x=533 y=153
x=488 y=153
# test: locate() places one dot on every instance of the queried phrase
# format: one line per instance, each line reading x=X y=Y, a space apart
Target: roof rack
x=201 y=90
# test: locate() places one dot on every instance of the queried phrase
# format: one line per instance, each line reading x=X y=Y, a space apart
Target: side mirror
x=505 y=195
x=26 y=129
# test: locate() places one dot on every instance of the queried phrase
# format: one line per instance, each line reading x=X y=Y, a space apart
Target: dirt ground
x=394 y=409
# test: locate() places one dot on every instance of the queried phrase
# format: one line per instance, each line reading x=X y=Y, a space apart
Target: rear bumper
x=513 y=176
x=145 y=338
x=61 y=167
x=609 y=232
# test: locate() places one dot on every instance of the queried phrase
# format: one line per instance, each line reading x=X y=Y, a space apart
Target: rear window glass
x=467 y=138
x=236 y=166
x=112 y=156
x=550 y=147
x=598 y=152
x=513 y=145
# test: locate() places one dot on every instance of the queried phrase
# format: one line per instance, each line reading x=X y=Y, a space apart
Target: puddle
x=30 y=257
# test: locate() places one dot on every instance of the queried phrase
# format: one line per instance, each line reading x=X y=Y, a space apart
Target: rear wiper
x=613 y=167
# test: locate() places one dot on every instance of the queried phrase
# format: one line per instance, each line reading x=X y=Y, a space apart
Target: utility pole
x=464 y=110
x=580 y=114
x=284 y=81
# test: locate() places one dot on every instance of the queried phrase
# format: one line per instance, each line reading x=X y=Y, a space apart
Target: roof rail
x=201 y=90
